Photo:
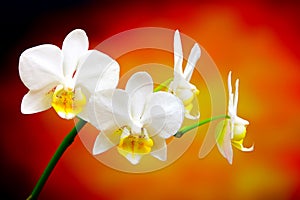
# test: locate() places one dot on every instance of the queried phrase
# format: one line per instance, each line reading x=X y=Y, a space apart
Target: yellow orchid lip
x=239 y=132
x=68 y=103
x=135 y=144
x=188 y=103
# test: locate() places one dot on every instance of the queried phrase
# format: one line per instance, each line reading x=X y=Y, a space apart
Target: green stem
x=163 y=85
x=185 y=129
x=68 y=140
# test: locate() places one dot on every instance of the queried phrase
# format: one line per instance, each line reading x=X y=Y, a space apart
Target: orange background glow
x=258 y=41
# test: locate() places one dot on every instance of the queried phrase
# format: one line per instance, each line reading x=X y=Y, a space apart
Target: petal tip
x=229 y=160
x=78 y=32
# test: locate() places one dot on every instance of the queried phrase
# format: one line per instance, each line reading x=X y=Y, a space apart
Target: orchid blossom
x=65 y=78
x=181 y=86
x=136 y=120
x=231 y=132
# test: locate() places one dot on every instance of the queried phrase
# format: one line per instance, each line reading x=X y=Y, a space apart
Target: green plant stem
x=185 y=129
x=163 y=85
x=68 y=140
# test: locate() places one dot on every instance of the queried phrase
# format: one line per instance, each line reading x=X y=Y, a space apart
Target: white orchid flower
x=136 y=120
x=181 y=86
x=231 y=132
x=65 y=78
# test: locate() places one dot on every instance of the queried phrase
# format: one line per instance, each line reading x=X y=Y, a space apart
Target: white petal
x=101 y=116
x=178 y=55
x=84 y=113
x=159 y=149
x=133 y=158
x=223 y=137
x=102 y=144
x=192 y=60
x=229 y=84
x=100 y=111
x=40 y=66
x=183 y=84
x=236 y=96
x=231 y=111
x=176 y=82
x=108 y=112
x=120 y=108
x=172 y=87
x=139 y=86
x=37 y=101
x=241 y=121
x=184 y=94
x=232 y=102
x=74 y=46
x=97 y=71
x=92 y=74
x=179 y=82
x=154 y=120
x=230 y=96
x=164 y=114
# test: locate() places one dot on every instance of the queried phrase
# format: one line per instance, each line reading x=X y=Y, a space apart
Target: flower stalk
x=163 y=85
x=185 y=129
x=68 y=140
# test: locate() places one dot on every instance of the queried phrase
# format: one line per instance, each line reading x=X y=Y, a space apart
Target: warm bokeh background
x=258 y=41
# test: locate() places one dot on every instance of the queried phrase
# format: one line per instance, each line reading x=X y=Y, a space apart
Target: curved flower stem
x=185 y=129
x=68 y=140
x=163 y=85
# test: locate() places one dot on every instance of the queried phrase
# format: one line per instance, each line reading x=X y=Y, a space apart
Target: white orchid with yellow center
x=181 y=86
x=65 y=78
x=136 y=120
x=231 y=132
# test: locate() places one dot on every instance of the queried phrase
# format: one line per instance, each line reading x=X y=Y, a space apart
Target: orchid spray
x=137 y=120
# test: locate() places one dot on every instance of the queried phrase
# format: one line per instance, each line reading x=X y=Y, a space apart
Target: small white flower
x=232 y=131
x=181 y=86
x=65 y=78
x=136 y=120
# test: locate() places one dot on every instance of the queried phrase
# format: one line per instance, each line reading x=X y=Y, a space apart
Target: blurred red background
x=259 y=41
